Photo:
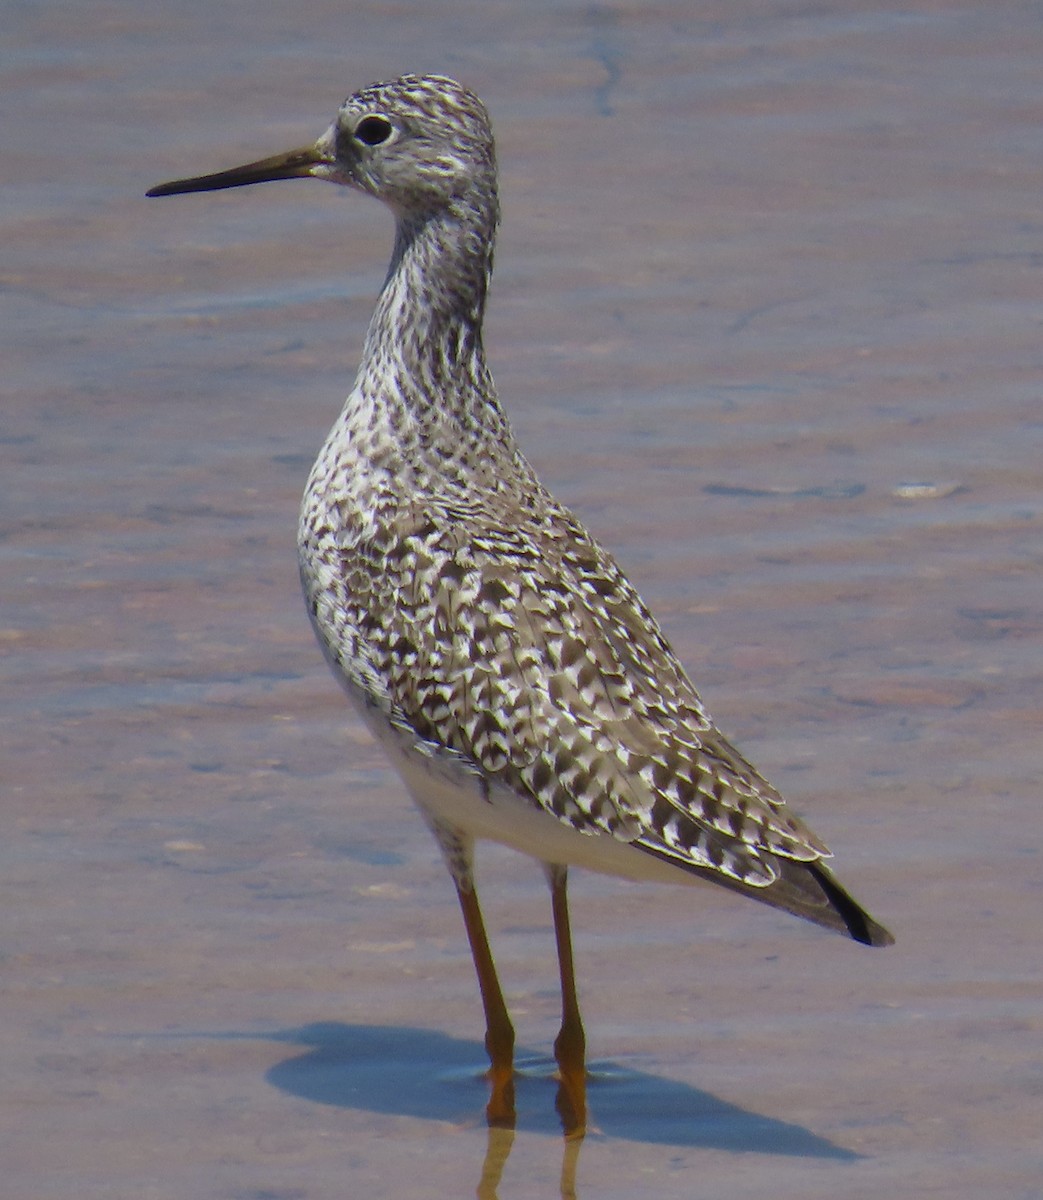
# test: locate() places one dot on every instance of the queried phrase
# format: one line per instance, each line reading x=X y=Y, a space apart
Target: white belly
x=447 y=794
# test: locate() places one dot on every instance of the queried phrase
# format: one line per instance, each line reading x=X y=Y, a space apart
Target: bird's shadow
x=423 y=1073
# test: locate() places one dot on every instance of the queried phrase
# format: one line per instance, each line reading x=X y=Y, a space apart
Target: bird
x=495 y=650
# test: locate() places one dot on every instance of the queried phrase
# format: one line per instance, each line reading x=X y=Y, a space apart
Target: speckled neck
x=423 y=363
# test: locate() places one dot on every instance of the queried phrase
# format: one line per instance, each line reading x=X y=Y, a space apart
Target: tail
x=811 y=891
x=808 y=890
x=860 y=925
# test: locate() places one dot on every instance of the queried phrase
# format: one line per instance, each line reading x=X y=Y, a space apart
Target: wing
x=520 y=645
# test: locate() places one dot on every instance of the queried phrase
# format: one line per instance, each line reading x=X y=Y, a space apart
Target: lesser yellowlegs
x=511 y=672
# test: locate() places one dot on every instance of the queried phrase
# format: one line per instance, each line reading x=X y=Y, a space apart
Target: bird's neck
x=423 y=365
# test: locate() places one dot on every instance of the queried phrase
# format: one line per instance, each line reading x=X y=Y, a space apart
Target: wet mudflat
x=767 y=315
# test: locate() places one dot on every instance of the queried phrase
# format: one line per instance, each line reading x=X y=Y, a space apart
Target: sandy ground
x=766 y=268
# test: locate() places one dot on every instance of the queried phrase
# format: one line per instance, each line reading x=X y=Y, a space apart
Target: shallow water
x=763 y=271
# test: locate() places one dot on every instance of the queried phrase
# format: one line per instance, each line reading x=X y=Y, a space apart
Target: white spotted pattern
x=511 y=671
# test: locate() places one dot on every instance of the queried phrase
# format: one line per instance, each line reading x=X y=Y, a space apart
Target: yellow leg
x=571 y=1043
x=499 y=1032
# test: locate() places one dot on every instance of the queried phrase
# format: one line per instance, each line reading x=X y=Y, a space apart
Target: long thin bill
x=295 y=164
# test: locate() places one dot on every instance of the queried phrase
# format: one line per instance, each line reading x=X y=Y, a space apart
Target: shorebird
x=509 y=669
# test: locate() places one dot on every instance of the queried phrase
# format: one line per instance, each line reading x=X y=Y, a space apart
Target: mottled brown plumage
x=512 y=672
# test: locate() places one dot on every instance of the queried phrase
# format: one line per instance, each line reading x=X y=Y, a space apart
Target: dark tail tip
x=859 y=923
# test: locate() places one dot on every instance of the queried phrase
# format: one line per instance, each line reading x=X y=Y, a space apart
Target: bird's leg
x=570 y=1044
x=458 y=850
x=499 y=1035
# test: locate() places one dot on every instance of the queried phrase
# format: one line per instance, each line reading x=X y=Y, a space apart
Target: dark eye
x=373 y=130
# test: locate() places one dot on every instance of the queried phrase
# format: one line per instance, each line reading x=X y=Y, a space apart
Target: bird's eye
x=373 y=130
